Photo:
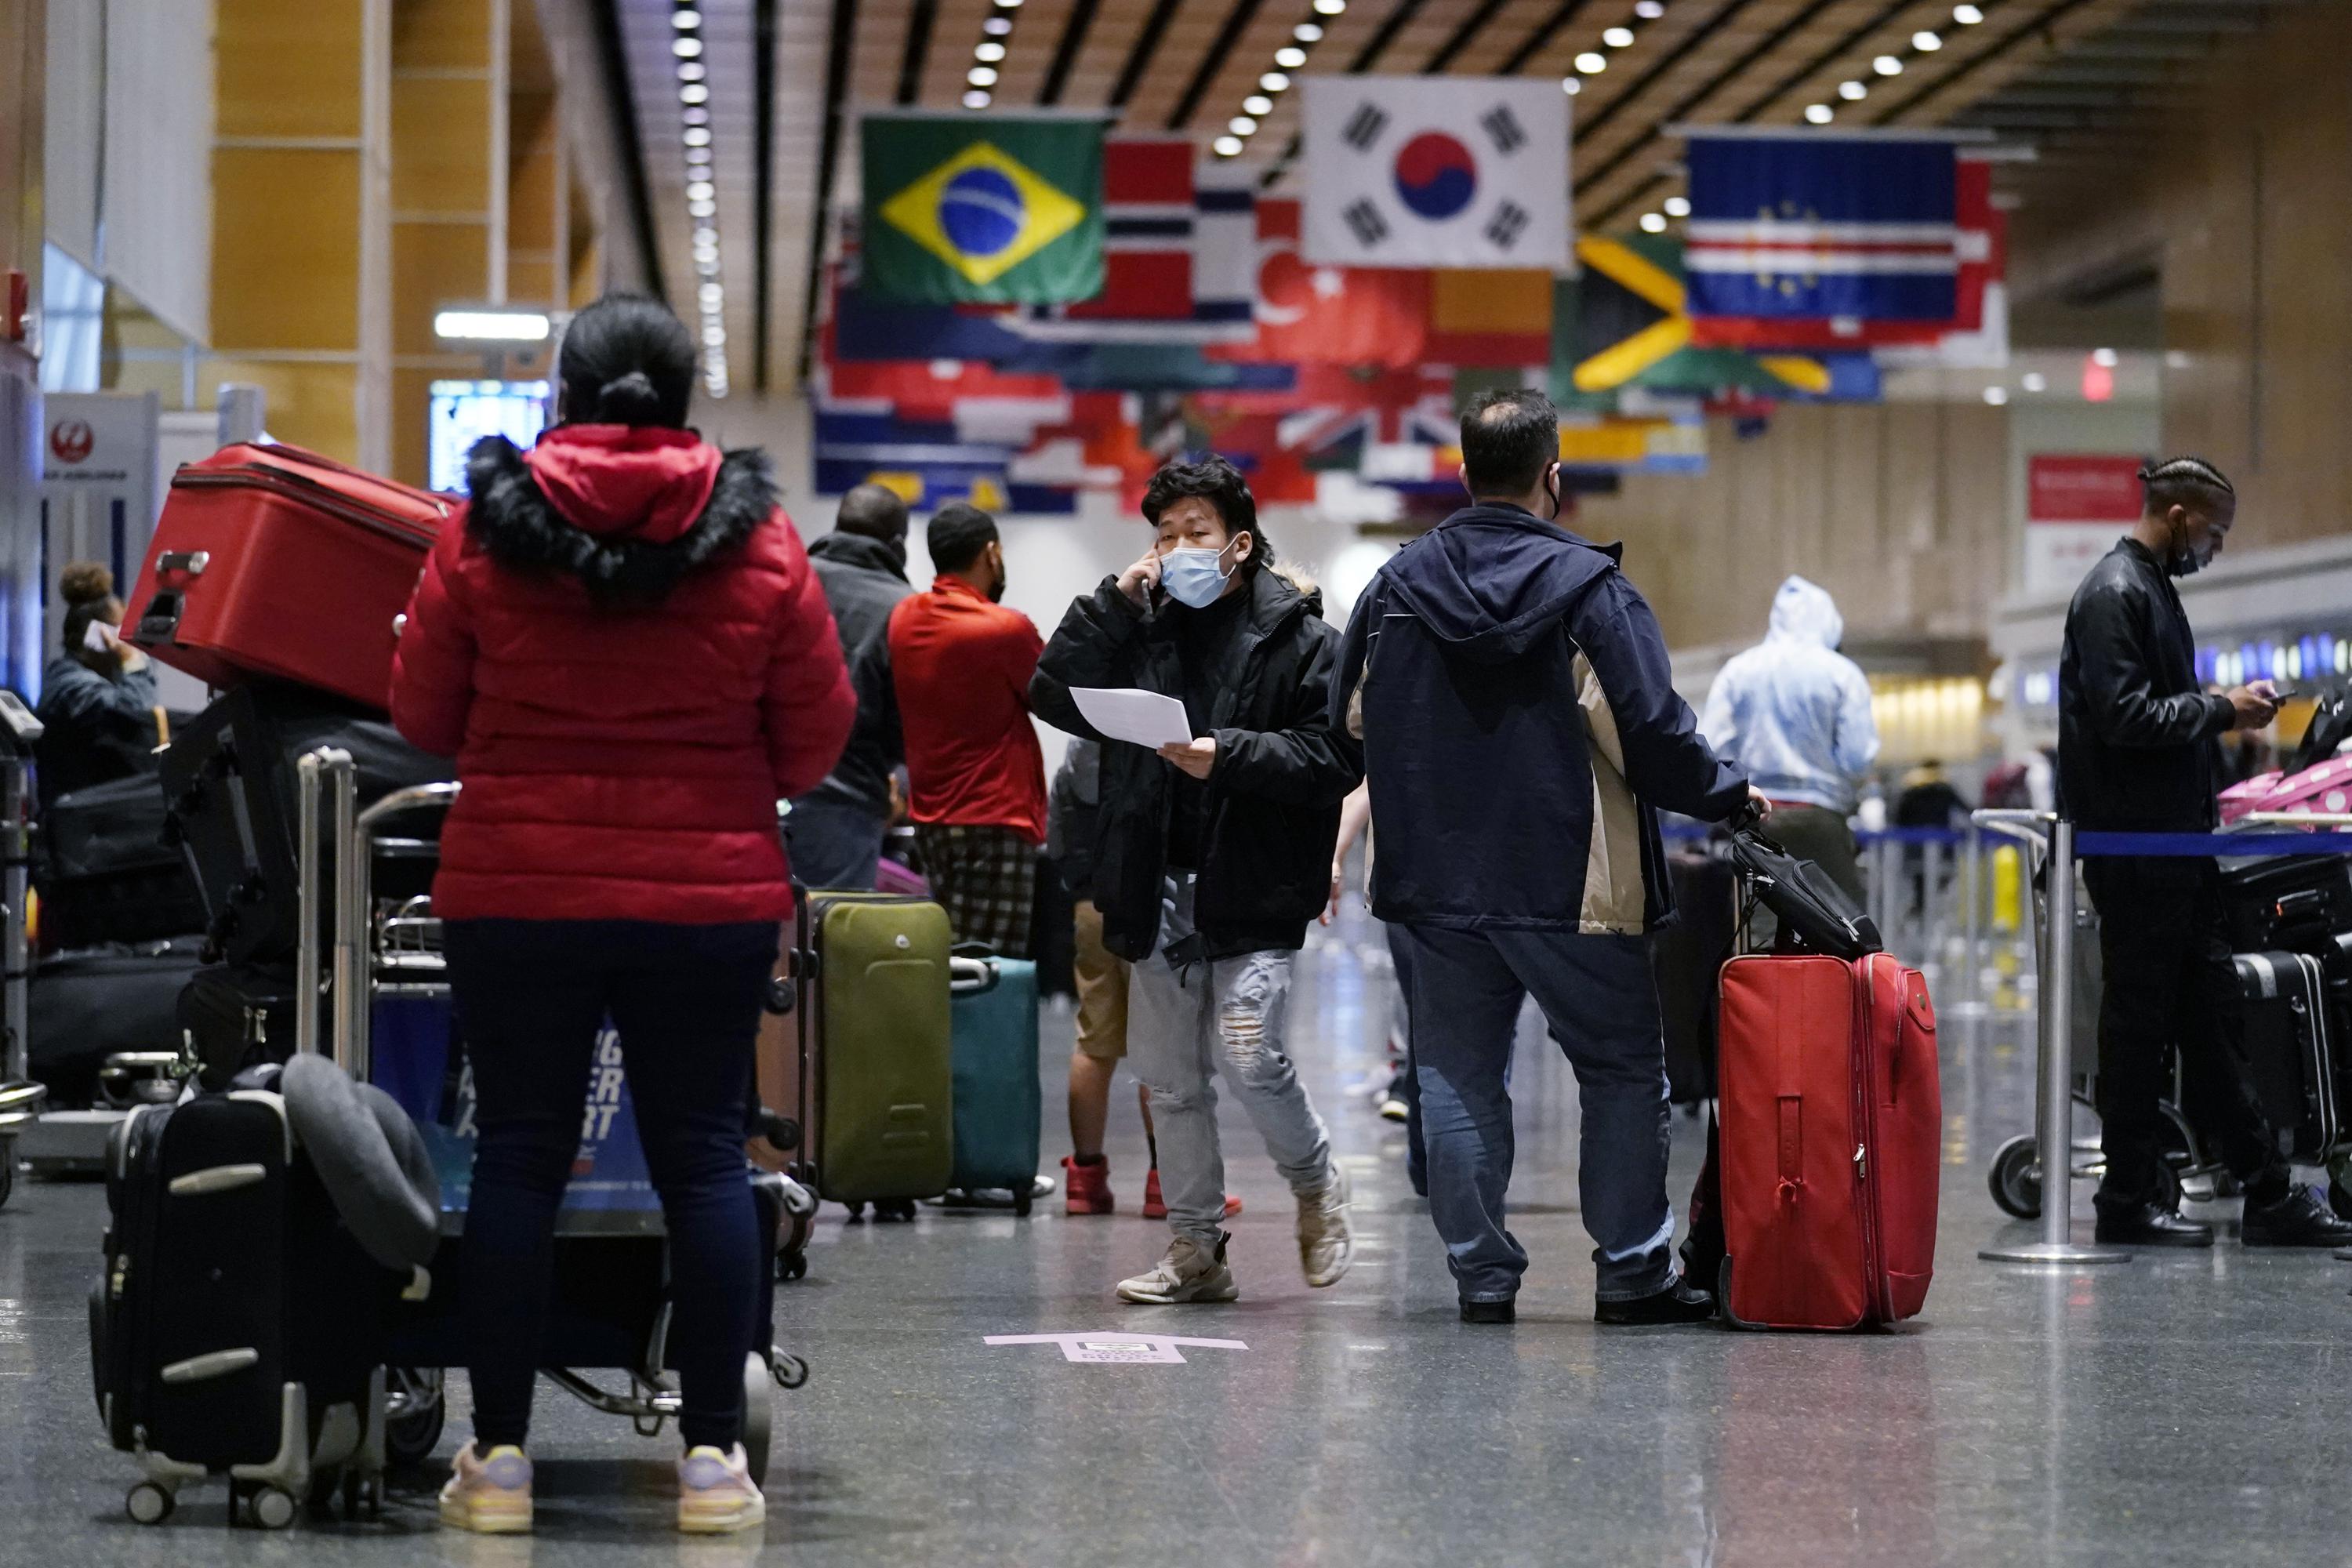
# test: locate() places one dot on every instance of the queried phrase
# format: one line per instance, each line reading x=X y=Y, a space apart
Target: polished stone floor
x=2186 y=1410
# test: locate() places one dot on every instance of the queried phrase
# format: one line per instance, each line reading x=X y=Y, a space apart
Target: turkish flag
x=1329 y=315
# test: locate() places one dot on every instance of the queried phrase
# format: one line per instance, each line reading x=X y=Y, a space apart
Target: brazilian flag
x=982 y=208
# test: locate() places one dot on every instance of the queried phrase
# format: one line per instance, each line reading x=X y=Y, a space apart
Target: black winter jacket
x=1521 y=730
x=1282 y=768
x=864 y=580
x=96 y=727
x=2136 y=734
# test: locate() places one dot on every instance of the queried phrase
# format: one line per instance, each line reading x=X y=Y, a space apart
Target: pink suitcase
x=2322 y=787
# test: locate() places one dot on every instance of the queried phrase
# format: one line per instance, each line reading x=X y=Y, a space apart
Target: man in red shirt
x=960 y=667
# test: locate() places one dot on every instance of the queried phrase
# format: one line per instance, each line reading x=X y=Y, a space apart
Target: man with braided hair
x=2137 y=753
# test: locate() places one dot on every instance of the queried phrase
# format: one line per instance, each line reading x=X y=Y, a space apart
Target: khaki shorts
x=1102 y=990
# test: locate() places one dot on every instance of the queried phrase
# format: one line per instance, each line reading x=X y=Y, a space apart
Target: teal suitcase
x=998 y=1103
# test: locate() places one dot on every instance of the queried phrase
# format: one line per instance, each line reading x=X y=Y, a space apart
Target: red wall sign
x=2082 y=486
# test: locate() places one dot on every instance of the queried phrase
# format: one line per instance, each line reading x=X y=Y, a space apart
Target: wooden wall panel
x=259 y=46
x=286 y=249
x=439 y=136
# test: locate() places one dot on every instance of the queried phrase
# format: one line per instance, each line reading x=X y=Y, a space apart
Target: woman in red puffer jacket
x=623 y=645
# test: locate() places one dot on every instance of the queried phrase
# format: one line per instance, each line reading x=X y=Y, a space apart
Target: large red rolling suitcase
x=1831 y=1129
x=272 y=561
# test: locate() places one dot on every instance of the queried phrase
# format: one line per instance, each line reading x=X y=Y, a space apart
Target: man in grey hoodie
x=837 y=828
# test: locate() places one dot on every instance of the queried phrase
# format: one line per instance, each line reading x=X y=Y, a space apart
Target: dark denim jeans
x=1598 y=996
x=531 y=996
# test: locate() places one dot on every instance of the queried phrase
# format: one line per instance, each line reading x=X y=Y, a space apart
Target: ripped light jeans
x=1187 y=1025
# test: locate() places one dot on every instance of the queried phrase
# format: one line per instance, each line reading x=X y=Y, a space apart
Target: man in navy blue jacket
x=1520 y=731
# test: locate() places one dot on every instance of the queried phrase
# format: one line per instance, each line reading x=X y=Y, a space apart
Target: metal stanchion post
x=1972 y=920
x=2056 y=1112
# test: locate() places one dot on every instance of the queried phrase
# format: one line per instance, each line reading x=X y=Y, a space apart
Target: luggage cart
x=21 y=1099
x=2014 y=1177
x=612 y=1311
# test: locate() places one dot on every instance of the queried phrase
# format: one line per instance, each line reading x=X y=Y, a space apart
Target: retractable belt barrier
x=2208 y=846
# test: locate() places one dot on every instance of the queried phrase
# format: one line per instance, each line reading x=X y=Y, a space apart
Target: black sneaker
x=1503 y=1311
x=2300 y=1218
x=1680 y=1302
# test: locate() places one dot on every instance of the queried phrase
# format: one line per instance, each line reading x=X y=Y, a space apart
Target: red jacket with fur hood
x=625 y=647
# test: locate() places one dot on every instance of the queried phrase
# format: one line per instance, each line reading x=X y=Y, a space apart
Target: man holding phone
x=2137 y=753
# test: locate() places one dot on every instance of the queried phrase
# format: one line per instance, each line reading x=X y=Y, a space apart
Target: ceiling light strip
x=987 y=68
x=687 y=44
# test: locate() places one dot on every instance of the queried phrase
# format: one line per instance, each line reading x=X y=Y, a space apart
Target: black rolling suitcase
x=229 y=777
x=2296 y=902
x=2291 y=1045
x=234 y=1018
x=1686 y=957
x=93 y=1005
x=238 y=1327
x=104 y=872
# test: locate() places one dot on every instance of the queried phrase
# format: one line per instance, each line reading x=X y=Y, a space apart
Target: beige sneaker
x=488 y=1496
x=715 y=1493
x=1188 y=1273
x=1326 y=1242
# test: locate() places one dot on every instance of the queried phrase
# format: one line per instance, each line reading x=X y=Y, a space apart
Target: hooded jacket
x=2137 y=735
x=1283 y=767
x=1794 y=710
x=863 y=579
x=623 y=644
x=1521 y=731
x=95 y=728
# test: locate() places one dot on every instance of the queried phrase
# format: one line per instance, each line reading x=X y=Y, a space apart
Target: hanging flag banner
x=1436 y=170
x=1823 y=225
x=1004 y=209
x=1329 y=315
x=927 y=465
x=1224 y=247
x=1490 y=320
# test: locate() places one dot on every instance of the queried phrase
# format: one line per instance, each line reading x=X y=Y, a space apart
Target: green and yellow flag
x=982 y=208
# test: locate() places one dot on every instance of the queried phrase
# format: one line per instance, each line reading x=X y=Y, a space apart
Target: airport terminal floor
x=2180 y=1409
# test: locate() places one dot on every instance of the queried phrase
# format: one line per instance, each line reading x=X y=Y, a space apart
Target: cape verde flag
x=1820 y=226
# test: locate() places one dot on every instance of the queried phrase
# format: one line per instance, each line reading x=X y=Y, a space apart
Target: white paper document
x=1146 y=718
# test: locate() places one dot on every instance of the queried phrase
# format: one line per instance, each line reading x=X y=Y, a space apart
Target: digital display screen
x=463 y=412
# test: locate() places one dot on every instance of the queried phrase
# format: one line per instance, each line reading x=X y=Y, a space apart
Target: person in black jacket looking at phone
x=1211 y=856
x=2137 y=753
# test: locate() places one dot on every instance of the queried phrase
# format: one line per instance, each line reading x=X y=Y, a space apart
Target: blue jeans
x=1597 y=995
x=833 y=844
x=531 y=996
x=1407 y=1084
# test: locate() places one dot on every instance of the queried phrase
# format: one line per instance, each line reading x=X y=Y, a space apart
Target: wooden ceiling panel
x=1036 y=30
x=955 y=28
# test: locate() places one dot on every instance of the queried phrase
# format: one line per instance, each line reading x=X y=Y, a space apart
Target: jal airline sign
x=2075 y=505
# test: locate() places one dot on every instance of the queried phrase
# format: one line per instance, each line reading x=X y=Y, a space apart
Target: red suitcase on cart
x=1832 y=1131
x=272 y=561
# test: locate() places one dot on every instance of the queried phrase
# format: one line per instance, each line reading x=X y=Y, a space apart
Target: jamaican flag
x=982 y=208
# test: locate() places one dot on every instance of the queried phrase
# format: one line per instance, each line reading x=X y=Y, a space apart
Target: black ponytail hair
x=627 y=360
x=2183 y=481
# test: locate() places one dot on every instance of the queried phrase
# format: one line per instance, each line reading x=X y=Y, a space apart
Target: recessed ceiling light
x=696 y=157
x=701 y=209
x=691 y=71
x=2103 y=357
x=975 y=99
x=1653 y=223
x=1289 y=57
x=686 y=19
x=686 y=49
x=1274 y=81
x=1887 y=65
x=1225 y=146
x=1853 y=92
x=694 y=92
x=1009 y=4
x=981 y=76
x=1819 y=113
x=700 y=191
x=1996 y=396
x=705 y=236
x=1967 y=16
x=990 y=52
x=1308 y=33
x=1925 y=43
x=1242 y=125
x=696 y=117
x=997 y=26
x=1650 y=10
x=2034 y=381
x=1329 y=8
x=1678 y=206
x=1572 y=85
x=1591 y=64
x=1618 y=37
x=1257 y=103
x=711 y=294
x=697 y=136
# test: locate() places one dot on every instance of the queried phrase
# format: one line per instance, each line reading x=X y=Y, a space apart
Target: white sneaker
x=1189 y=1272
x=488 y=1494
x=715 y=1493
x=1326 y=1242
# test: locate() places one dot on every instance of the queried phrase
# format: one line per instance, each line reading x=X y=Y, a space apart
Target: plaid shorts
x=986 y=877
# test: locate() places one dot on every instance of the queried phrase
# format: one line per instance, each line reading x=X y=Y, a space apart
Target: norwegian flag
x=1162 y=245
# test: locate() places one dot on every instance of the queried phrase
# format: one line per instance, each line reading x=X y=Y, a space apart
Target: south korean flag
x=1414 y=170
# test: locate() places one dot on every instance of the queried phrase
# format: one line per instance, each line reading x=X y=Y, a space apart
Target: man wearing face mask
x=2137 y=753
x=959 y=670
x=837 y=828
x=1211 y=857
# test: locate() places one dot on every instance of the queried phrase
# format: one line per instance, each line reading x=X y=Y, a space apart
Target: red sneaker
x=1086 y=1187
x=1154 y=1208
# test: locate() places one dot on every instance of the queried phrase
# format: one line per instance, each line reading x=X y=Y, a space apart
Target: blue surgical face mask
x=1194 y=576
